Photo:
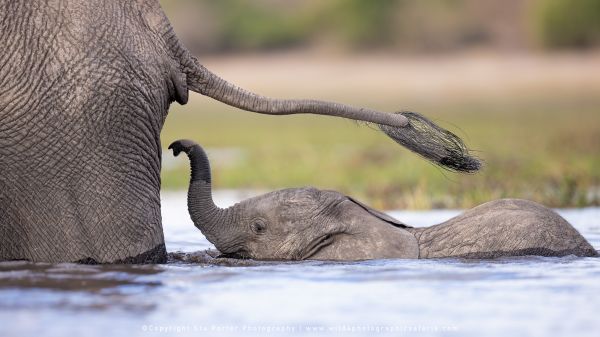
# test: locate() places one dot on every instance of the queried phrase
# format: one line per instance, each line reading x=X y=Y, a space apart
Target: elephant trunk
x=408 y=129
x=214 y=222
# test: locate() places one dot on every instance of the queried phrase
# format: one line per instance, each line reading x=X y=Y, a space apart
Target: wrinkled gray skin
x=307 y=223
x=85 y=86
x=505 y=227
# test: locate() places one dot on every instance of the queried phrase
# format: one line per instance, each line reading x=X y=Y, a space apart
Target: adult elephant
x=85 y=86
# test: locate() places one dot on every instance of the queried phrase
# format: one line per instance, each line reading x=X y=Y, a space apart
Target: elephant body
x=96 y=86
x=85 y=87
x=307 y=223
x=505 y=227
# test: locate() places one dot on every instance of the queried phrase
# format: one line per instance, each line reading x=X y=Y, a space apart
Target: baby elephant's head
x=292 y=224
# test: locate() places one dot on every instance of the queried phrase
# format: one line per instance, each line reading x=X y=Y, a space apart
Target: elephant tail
x=205 y=82
x=410 y=130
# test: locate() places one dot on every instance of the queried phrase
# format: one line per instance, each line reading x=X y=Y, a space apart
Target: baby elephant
x=307 y=223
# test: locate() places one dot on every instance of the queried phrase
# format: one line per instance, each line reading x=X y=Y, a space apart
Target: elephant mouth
x=239 y=255
x=317 y=245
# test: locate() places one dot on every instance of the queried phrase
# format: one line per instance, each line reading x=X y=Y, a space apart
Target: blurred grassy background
x=518 y=80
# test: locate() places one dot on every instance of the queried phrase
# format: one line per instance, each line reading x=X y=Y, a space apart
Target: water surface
x=527 y=296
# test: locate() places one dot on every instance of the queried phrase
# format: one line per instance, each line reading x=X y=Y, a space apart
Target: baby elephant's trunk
x=212 y=221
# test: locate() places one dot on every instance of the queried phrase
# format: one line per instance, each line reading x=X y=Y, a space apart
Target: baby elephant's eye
x=258 y=227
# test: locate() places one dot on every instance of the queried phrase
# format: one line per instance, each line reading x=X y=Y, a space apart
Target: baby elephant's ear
x=380 y=214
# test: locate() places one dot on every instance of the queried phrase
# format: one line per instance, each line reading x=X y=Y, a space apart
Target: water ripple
x=196 y=294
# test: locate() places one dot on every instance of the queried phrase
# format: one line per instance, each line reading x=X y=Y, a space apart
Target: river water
x=528 y=296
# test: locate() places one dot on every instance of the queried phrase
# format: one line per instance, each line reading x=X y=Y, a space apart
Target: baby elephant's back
x=520 y=227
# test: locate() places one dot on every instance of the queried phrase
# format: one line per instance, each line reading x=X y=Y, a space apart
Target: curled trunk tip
x=198 y=160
